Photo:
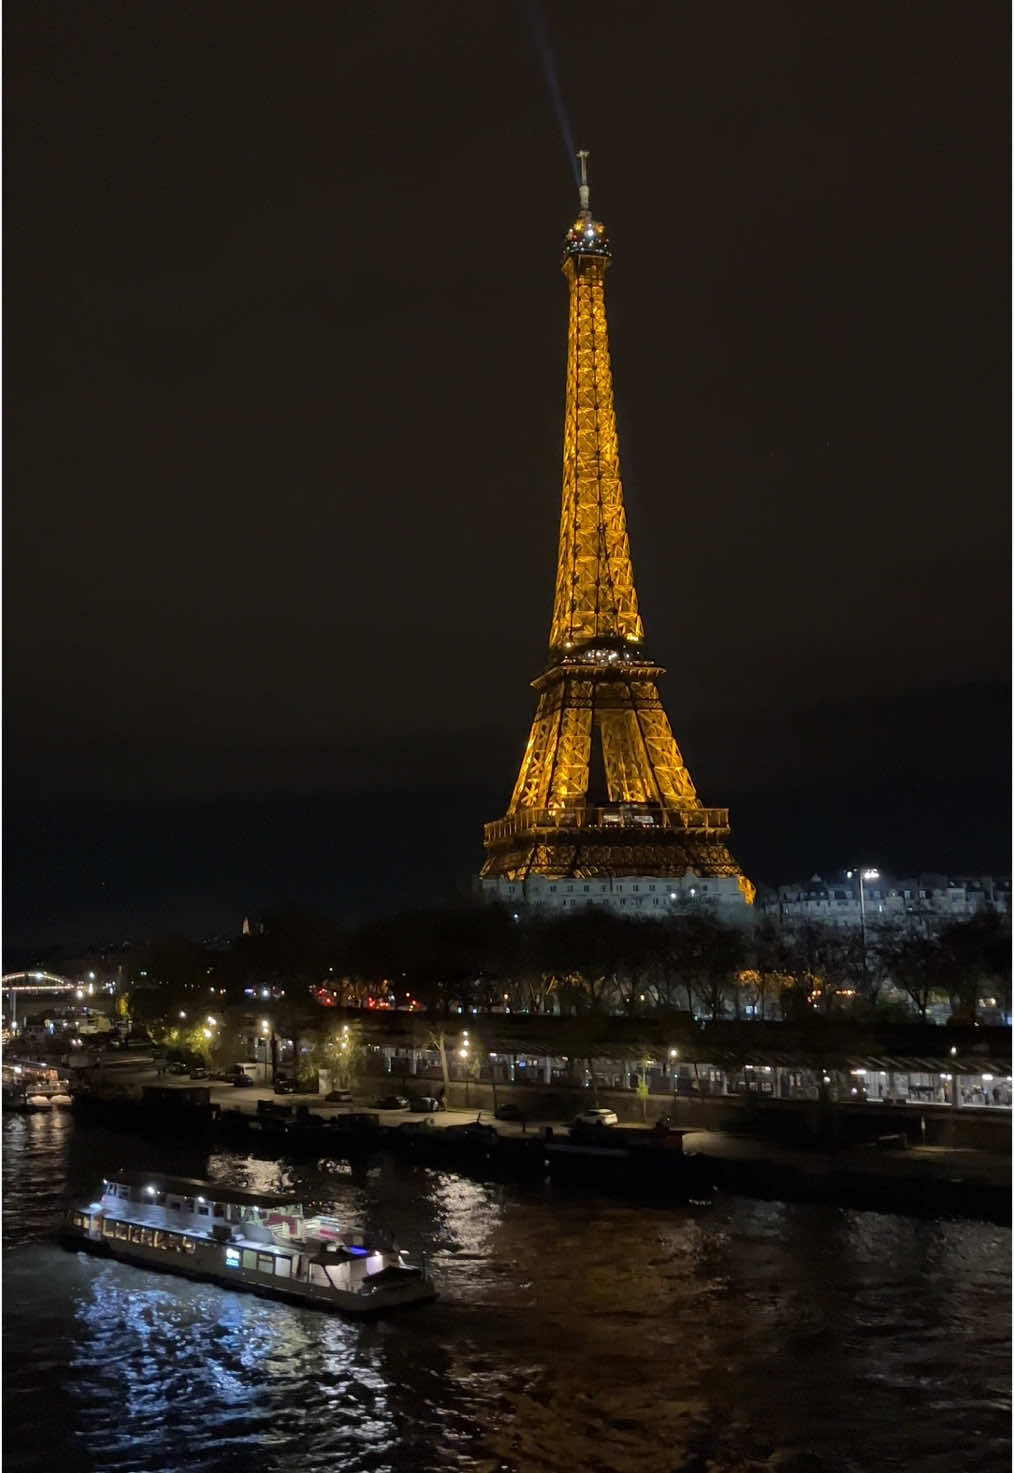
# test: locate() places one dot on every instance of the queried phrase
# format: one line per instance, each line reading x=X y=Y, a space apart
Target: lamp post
x=861 y=875
x=463 y=1054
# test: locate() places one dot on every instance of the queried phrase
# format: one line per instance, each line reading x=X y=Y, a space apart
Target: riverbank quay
x=882 y=1174
x=886 y=1176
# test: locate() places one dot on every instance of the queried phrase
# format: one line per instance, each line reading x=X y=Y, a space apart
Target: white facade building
x=924 y=902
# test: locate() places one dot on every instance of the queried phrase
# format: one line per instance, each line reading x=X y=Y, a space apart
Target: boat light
x=200 y=1199
x=151 y=1190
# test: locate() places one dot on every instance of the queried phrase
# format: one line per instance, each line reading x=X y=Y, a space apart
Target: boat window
x=189 y=1246
x=283 y=1267
x=219 y=1210
x=174 y=1203
x=232 y=1258
x=202 y=1211
x=249 y=1258
x=147 y=1237
x=265 y=1263
x=122 y=1230
x=108 y=1227
x=135 y=1233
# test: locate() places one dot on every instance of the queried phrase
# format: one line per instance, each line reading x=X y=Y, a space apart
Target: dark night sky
x=285 y=351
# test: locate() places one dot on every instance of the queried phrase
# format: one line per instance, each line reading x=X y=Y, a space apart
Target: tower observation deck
x=603 y=795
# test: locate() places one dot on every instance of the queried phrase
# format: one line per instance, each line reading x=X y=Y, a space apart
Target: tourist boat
x=29 y=1087
x=258 y=1241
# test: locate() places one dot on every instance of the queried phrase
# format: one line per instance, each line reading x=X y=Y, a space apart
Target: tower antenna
x=584 y=193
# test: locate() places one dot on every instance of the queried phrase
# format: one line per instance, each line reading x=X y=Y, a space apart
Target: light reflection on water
x=572 y=1333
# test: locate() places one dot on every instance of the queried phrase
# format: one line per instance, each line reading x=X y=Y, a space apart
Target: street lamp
x=862 y=875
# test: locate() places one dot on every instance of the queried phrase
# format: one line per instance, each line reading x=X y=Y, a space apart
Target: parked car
x=176 y=1067
x=241 y=1081
x=392 y=1102
x=198 y=1072
x=597 y=1117
x=423 y=1104
x=509 y=1112
x=285 y=1086
x=338 y=1097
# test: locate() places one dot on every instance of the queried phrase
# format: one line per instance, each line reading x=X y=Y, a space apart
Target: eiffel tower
x=603 y=797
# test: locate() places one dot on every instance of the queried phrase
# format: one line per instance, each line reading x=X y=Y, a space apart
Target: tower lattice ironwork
x=603 y=789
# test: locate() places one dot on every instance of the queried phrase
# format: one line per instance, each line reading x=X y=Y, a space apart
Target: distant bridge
x=30 y=984
x=36 y=982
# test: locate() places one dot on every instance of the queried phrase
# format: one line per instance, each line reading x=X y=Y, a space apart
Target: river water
x=574 y=1334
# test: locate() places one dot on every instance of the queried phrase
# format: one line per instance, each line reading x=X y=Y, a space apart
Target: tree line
x=586 y=961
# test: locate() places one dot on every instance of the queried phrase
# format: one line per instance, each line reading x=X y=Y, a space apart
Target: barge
x=261 y=1242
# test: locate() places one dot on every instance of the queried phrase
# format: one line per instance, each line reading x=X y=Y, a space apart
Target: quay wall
x=796 y=1121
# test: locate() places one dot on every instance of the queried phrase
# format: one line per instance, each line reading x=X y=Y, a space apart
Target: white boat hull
x=207 y=1264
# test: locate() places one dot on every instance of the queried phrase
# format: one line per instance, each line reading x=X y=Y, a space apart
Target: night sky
x=286 y=336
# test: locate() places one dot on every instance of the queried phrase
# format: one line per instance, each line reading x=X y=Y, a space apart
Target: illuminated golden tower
x=603 y=792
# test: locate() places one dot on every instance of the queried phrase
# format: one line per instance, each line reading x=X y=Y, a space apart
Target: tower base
x=639 y=895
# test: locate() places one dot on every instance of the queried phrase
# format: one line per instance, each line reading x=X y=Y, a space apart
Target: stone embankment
x=883 y=1173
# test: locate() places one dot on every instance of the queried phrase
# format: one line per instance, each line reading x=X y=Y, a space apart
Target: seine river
x=574 y=1334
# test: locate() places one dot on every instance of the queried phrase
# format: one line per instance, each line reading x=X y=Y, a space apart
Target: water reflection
x=572 y=1332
